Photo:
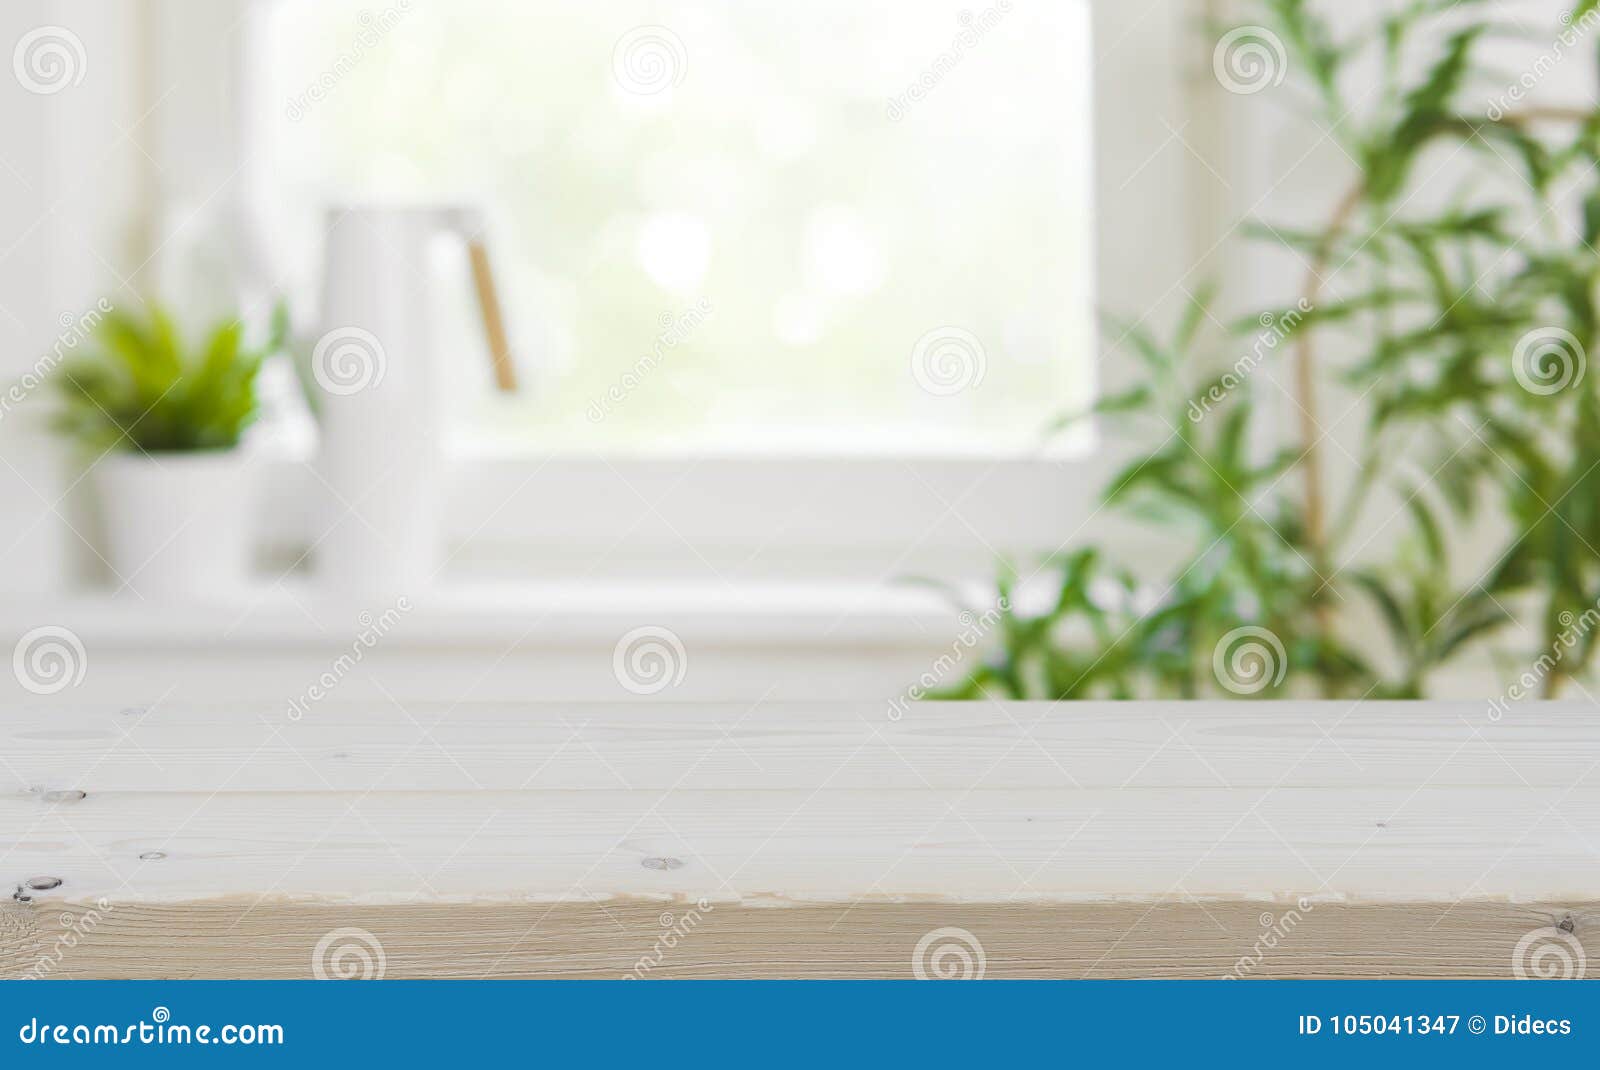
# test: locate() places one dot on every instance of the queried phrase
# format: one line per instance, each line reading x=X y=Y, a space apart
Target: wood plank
x=828 y=846
x=1117 y=839
x=634 y=938
x=256 y=746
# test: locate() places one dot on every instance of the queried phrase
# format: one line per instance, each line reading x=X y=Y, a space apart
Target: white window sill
x=699 y=518
x=555 y=614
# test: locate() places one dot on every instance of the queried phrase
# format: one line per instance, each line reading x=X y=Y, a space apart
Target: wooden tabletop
x=818 y=840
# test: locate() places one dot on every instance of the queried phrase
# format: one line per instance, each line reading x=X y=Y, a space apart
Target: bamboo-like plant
x=1466 y=327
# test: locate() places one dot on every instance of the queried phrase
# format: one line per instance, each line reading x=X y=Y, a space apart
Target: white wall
x=33 y=557
x=66 y=214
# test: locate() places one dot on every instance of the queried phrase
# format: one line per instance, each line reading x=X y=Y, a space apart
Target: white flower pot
x=178 y=525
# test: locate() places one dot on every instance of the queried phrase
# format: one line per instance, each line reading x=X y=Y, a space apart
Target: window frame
x=874 y=515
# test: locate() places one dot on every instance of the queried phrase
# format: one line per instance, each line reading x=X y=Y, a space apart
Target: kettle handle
x=494 y=327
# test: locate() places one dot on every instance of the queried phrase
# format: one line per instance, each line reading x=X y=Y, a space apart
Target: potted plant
x=163 y=425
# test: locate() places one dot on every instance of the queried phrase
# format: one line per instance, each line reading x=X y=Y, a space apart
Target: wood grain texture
x=1070 y=840
x=875 y=939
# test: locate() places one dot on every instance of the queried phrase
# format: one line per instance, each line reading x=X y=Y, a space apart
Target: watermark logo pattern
x=949 y=954
x=349 y=954
x=648 y=60
x=1249 y=59
x=1548 y=360
x=49 y=59
x=1549 y=954
x=348 y=360
x=49 y=659
x=948 y=360
x=1248 y=660
x=649 y=660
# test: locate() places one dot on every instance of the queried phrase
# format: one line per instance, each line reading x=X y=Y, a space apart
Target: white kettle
x=376 y=377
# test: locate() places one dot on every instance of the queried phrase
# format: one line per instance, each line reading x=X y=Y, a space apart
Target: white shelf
x=557 y=612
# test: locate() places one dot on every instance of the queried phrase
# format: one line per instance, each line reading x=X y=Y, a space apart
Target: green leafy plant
x=143 y=389
x=1462 y=329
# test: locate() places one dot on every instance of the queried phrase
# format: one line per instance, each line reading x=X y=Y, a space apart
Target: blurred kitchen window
x=820 y=227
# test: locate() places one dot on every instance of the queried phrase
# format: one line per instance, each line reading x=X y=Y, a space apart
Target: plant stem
x=1306 y=385
x=1305 y=352
x=1548 y=114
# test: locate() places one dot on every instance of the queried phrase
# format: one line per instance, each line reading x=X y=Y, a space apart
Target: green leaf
x=145 y=390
